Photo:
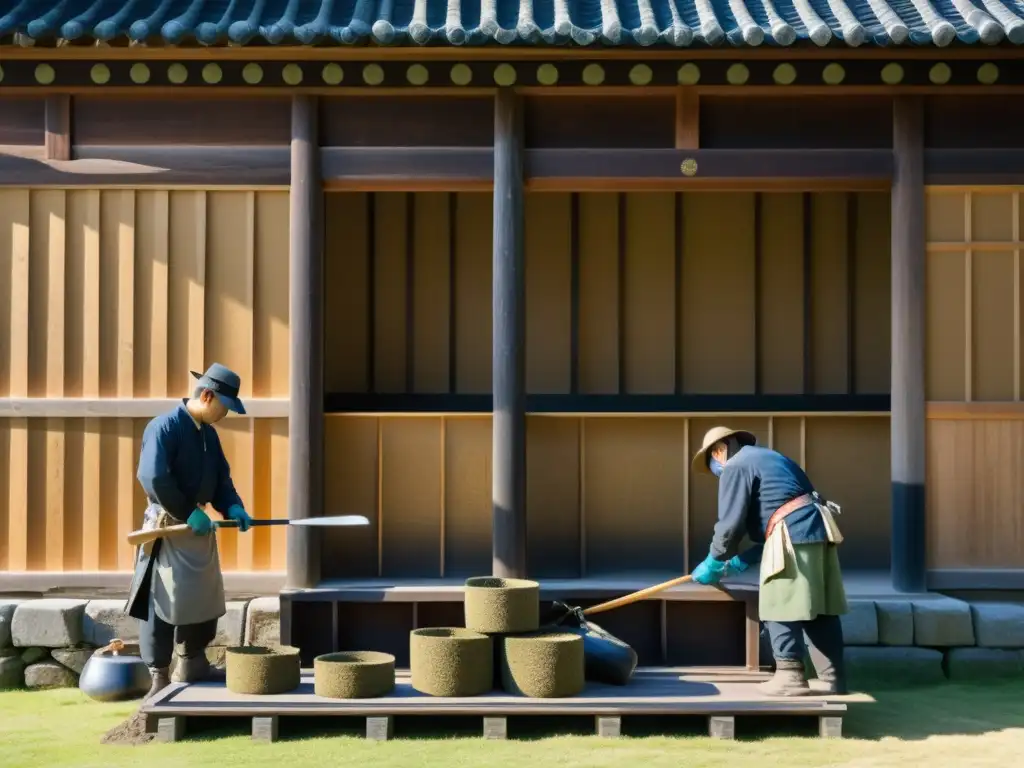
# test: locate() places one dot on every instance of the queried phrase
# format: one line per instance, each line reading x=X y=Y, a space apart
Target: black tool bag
x=607 y=658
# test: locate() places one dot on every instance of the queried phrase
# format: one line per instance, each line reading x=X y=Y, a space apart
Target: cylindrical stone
x=353 y=674
x=262 y=671
x=495 y=605
x=451 y=661
x=543 y=665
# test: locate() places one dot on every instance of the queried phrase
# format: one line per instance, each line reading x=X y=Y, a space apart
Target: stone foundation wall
x=935 y=638
x=46 y=642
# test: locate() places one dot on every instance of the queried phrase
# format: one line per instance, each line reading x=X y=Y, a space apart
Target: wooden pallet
x=719 y=695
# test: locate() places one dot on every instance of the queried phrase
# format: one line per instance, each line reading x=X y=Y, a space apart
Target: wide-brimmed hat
x=224 y=383
x=712 y=436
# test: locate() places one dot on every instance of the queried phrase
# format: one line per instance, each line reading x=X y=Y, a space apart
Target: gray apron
x=187 y=586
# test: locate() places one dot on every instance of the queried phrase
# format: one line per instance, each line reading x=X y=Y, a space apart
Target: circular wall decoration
x=45 y=74
x=689 y=74
x=333 y=74
x=252 y=73
x=892 y=74
x=833 y=74
x=417 y=74
x=940 y=74
x=593 y=74
x=373 y=74
x=688 y=167
x=139 y=73
x=784 y=74
x=292 y=74
x=737 y=74
x=212 y=73
x=177 y=73
x=547 y=74
x=504 y=74
x=988 y=73
x=100 y=74
x=461 y=74
x=641 y=74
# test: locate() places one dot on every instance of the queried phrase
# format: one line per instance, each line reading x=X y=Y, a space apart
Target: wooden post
x=908 y=344
x=509 y=340
x=306 y=416
x=58 y=127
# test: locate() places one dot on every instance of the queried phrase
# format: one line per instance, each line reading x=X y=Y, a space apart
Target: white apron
x=188 y=587
x=779 y=545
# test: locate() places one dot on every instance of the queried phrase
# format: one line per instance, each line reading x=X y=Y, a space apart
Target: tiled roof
x=672 y=23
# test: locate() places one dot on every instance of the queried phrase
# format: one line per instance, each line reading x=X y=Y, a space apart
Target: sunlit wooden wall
x=605 y=493
x=119 y=294
x=975 y=486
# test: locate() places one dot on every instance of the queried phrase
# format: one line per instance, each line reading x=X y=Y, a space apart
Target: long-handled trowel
x=144 y=536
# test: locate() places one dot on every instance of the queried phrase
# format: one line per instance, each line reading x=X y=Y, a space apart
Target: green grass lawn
x=943 y=725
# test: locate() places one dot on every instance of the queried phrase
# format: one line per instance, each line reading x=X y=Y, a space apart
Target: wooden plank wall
x=703 y=277
x=120 y=293
x=975 y=490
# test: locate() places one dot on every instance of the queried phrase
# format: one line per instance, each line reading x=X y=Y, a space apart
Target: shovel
x=144 y=536
x=561 y=611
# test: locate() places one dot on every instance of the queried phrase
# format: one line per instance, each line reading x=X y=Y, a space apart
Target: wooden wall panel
x=975 y=492
x=599 y=294
x=993 y=333
x=848 y=461
x=118 y=293
x=947 y=332
x=788 y=436
x=549 y=293
x=467 y=496
x=872 y=294
x=718 y=293
x=473 y=293
x=351 y=487
x=348 y=281
x=634 y=494
x=432 y=293
x=781 y=320
x=389 y=291
x=553 y=496
x=23 y=121
x=649 y=293
x=829 y=293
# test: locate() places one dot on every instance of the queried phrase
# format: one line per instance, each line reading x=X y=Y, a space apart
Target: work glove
x=239 y=515
x=710 y=571
x=741 y=562
x=199 y=522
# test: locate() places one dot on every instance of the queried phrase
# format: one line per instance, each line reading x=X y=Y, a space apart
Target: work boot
x=191 y=669
x=160 y=681
x=789 y=680
x=830 y=671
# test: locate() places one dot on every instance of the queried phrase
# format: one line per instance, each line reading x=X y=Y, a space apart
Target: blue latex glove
x=240 y=516
x=710 y=571
x=199 y=523
x=743 y=561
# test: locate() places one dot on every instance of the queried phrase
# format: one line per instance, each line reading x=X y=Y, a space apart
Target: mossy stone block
x=353 y=675
x=501 y=606
x=543 y=665
x=449 y=661
x=254 y=669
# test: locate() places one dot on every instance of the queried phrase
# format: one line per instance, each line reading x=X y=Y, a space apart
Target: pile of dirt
x=129 y=733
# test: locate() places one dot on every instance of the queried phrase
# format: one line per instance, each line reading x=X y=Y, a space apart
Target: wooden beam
x=143 y=166
x=306 y=279
x=118 y=407
x=58 y=127
x=400 y=167
x=508 y=344
x=687 y=118
x=788 y=405
x=973 y=167
x=908 y=433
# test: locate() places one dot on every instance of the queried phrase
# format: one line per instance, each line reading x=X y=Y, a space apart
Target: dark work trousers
x=158 y=638
x=821 y=638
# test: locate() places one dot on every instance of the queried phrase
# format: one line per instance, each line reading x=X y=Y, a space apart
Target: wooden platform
x=718 y=695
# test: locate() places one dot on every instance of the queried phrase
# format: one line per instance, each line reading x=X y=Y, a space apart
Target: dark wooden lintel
x=974 y=166
x=339 y=403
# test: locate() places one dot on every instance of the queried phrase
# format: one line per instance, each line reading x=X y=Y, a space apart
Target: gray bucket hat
x=224 y=383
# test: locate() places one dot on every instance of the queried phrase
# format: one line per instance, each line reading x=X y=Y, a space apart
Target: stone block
x=263 y=622
x=6 y=616
x=73 y=658
x=998 y=625
x=12 y=672
x=895 y=622
x=34 y=655
x=860 y=624
x=49 y=674
x=48 y=623
x=231 y=626
x=895 y=664
x=942 y=623
x=983 y=663
x=106 y=620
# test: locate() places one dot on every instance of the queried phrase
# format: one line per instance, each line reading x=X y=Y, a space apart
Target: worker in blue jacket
x=769 y=498
x=177 y=592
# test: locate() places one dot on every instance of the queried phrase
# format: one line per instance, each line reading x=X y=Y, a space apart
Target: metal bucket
x=115 y=673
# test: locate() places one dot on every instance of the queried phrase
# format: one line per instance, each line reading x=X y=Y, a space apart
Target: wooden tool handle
x=138 y=538
x=637 y=596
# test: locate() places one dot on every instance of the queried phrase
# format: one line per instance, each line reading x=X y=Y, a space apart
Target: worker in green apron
x=177 y=591
x=767 y=496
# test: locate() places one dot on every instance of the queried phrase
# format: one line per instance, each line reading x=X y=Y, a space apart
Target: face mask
x=716 y=467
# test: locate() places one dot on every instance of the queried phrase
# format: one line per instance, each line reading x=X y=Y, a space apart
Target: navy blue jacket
x=755 y=483
x=182 y=467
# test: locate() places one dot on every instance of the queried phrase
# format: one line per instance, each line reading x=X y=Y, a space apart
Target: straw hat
x=712 y=436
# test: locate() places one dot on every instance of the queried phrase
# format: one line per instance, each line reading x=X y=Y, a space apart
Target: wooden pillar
x=58 y=127
x=908 y=345
x=306 y=414
x=509 y=341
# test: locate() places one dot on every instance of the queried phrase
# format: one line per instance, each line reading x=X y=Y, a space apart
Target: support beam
x=306 y=418
x=509 y=341
x=58 y=126
x=907 y=401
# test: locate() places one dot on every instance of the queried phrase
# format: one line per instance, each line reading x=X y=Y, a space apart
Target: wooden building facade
x=488 y=274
